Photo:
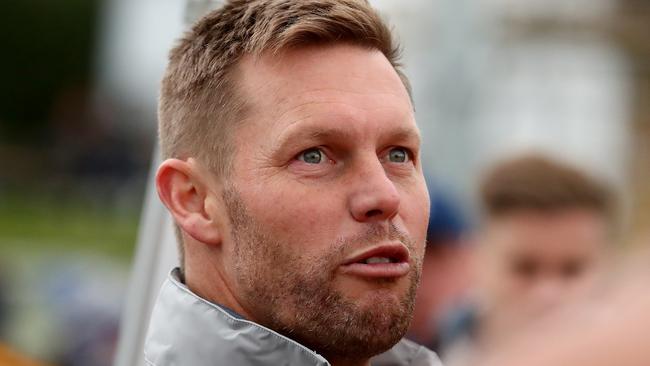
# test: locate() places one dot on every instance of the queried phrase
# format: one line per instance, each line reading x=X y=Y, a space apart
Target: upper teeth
x=377 y=260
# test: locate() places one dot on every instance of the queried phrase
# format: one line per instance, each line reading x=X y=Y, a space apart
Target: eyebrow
x=405 y=134
x=398 y=134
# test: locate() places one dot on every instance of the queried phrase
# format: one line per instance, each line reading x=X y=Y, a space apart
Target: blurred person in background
x=445 y=269
x=293 y=175
x=544 y=237
x=610 y=328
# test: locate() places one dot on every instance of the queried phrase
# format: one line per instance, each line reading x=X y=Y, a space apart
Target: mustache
x=374 y=234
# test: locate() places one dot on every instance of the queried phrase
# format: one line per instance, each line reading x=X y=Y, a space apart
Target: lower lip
x=378 y=270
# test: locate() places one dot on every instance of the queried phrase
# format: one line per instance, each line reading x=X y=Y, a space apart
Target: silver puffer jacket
x=186 y=330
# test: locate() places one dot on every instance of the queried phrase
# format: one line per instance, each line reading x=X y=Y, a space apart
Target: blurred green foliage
x=46 y=72
x=31 y=222
x=47 y=48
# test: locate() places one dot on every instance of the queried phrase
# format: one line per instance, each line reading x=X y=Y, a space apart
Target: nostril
x=372 y=213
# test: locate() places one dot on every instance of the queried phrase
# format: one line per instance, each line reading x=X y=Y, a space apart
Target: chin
x=356 y=285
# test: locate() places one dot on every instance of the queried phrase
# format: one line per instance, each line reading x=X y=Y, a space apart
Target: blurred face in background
x=533 y=261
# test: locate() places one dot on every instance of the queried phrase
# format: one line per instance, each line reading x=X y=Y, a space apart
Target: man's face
x=327 y=201
x=533 y=261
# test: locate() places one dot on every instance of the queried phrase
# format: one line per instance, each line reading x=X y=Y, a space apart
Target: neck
x=208 y=282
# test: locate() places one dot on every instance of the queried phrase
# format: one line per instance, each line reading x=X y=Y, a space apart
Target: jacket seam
x=147 y=360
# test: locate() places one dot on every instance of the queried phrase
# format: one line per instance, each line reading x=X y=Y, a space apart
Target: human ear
x=183 y=187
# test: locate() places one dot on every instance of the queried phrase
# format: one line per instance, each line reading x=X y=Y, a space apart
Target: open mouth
x=383 y=261
x=379 y=260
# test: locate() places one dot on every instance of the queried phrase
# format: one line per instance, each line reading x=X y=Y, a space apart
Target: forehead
x=342 y=79
x=571 y=232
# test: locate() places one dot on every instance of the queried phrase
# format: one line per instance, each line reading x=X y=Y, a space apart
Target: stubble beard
x=294 y=294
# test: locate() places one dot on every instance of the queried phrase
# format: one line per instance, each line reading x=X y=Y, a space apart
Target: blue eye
x=312 y=156
x=398 y=155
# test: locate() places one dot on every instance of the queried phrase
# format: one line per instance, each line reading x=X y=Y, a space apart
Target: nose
x=374 y=197
x=548 y=292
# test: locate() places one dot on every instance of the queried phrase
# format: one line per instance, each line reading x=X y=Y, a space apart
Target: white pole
x=155 y=254
x=156 y=251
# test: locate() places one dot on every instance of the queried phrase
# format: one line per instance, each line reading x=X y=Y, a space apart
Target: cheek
x=515 y=285
x=584 y=283
x=414 y=210
x=297 y=212
x=500 y=281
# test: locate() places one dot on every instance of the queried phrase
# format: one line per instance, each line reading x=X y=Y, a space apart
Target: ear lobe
x=182 y=189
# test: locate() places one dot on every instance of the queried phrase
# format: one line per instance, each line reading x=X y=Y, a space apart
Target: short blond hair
x=199 y=101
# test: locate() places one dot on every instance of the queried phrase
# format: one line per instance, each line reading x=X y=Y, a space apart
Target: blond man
x=293 y=175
